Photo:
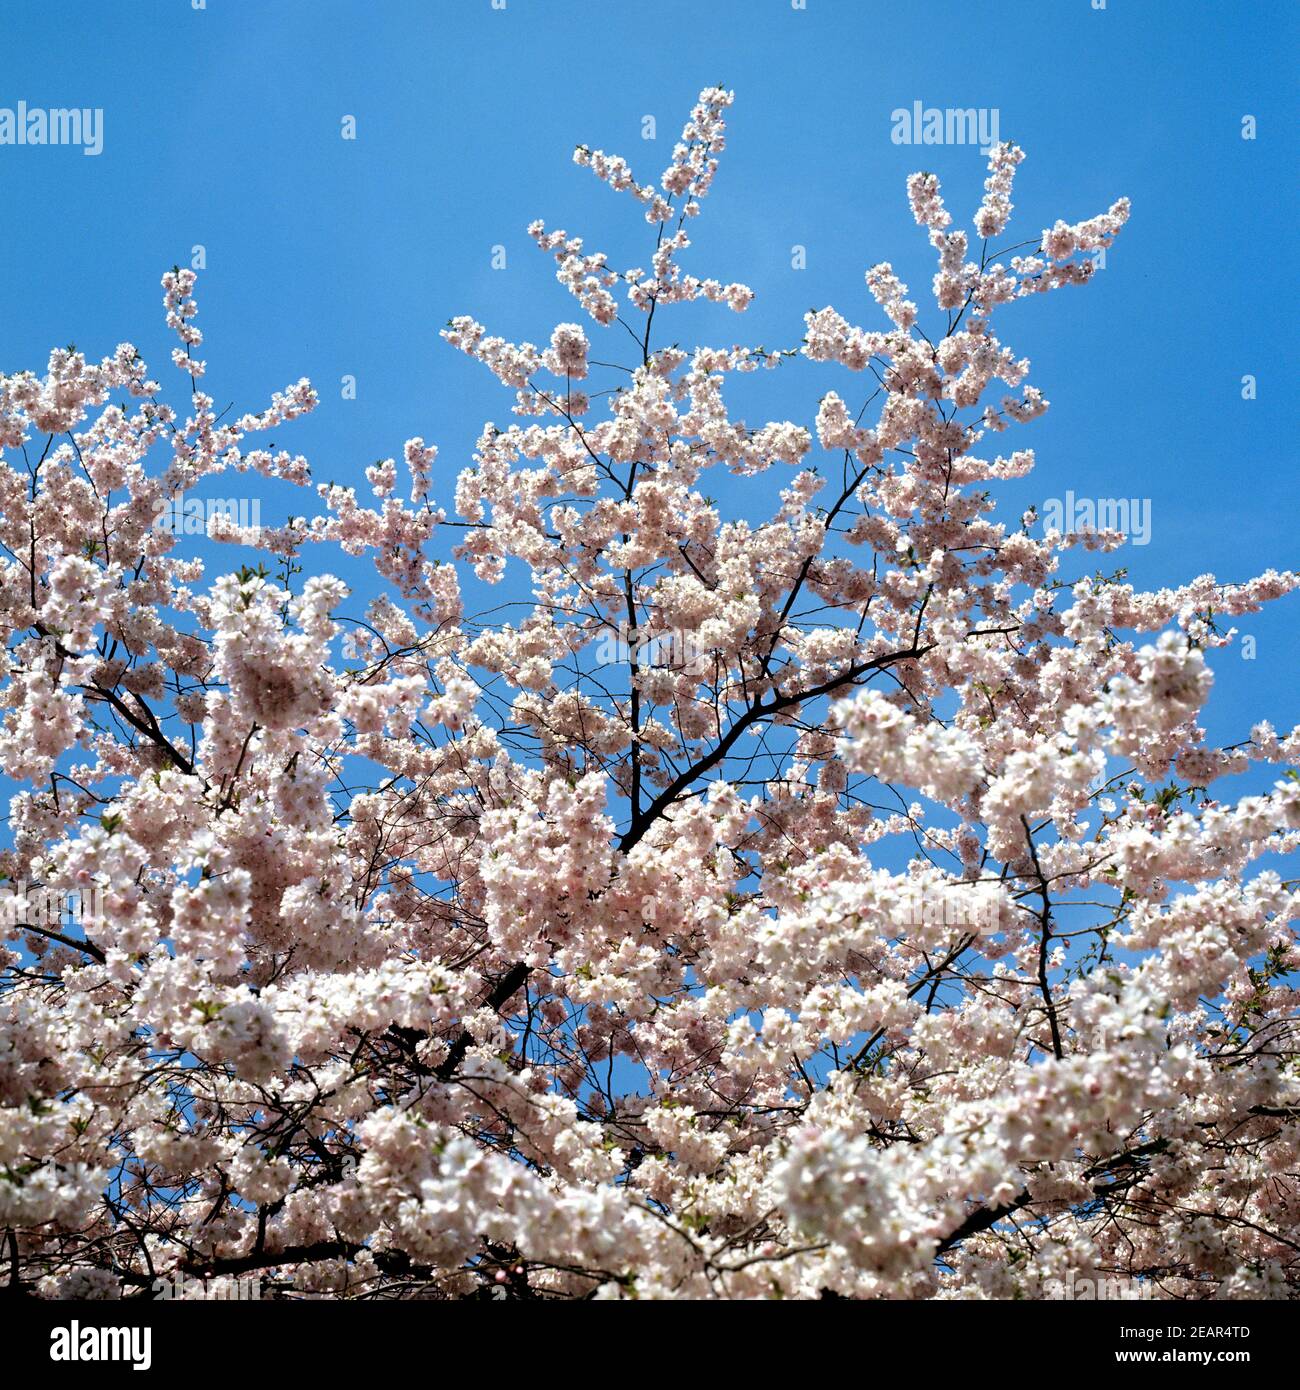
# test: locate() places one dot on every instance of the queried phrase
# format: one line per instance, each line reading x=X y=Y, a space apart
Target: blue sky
x=328 y=257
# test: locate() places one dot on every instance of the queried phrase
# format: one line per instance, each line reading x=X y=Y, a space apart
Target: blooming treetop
x=456 y=955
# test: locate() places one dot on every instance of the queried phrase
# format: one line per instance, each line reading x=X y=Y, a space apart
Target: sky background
x=327 y=257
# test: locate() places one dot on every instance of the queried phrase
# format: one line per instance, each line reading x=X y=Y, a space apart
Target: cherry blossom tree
x=836 y=906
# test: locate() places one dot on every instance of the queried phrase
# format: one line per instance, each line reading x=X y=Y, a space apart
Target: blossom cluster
x=879 y=921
